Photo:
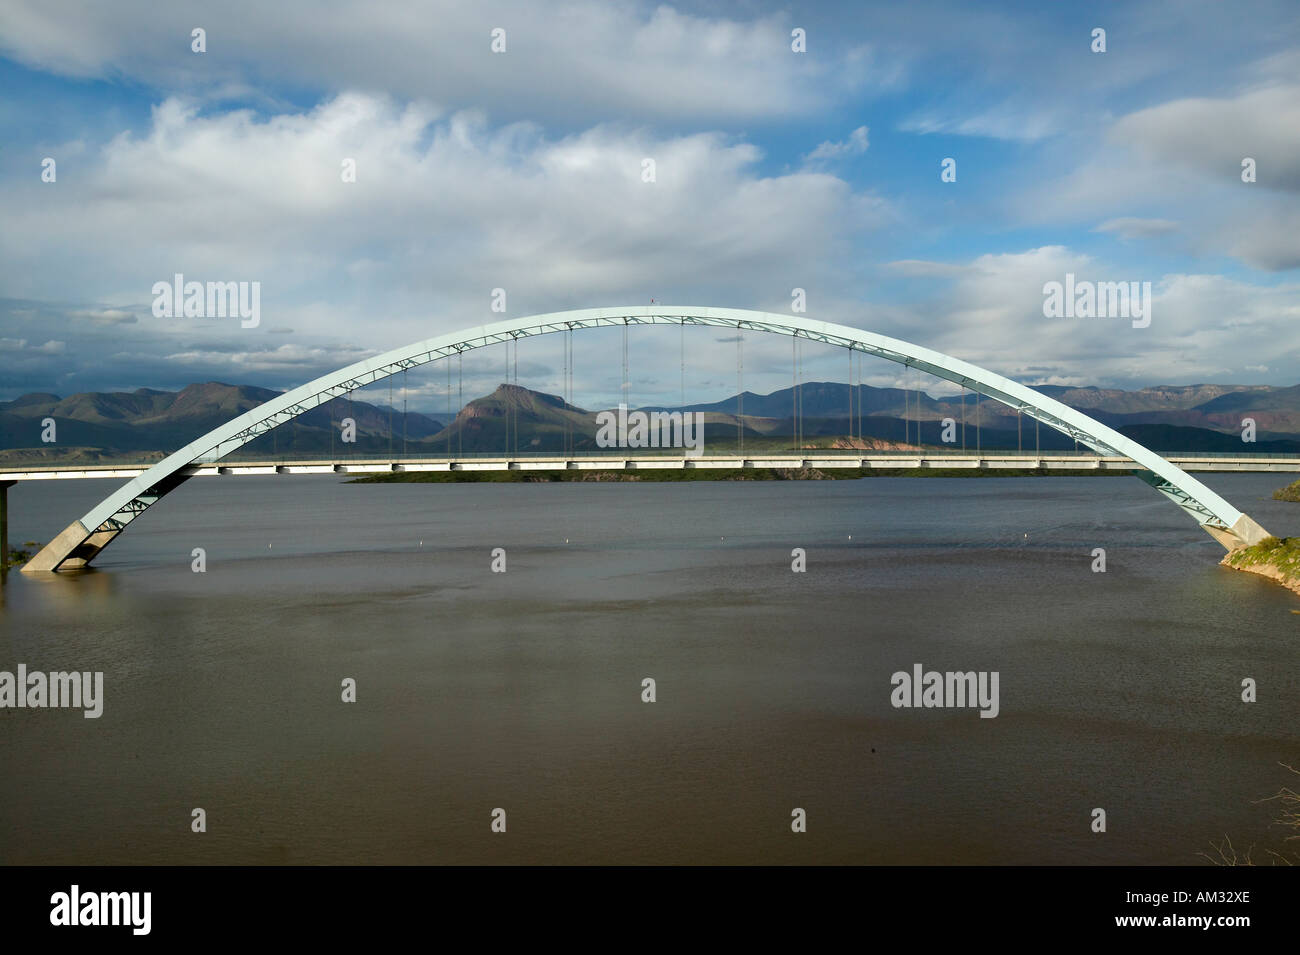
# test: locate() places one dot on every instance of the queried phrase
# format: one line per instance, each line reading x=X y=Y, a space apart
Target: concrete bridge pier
x=73 y=549
x=4 y=522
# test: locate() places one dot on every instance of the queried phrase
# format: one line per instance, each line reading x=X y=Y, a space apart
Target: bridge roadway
x=643 y=460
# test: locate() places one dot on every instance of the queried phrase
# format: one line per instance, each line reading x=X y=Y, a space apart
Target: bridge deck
x=990 y=460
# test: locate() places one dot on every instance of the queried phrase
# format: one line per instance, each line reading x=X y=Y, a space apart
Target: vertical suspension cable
x=963 y=417
x=390 y=417
x=460 y=402
x=683 y=357
x=916 y=401
x=907 y=403
x=404 y=411
x=918 y=407
x=516 y=408
x=572 y=438
x=977 y=423
x=1019 y=447
x=740 y=390
x=568 y=387
x=450 y=419
x=794 y=392
x=564 y=389
x=798 y=378
x=682 y=407
x=508 y=395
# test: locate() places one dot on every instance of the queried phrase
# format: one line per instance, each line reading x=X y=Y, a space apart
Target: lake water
x=522 y=690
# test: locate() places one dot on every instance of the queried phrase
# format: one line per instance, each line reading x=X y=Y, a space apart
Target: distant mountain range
x=121 y=424
x=147 y=422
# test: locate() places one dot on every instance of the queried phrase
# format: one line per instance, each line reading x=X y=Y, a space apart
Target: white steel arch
x=84 y=538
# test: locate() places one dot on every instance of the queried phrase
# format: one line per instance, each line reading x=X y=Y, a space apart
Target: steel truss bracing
x=1221 y=519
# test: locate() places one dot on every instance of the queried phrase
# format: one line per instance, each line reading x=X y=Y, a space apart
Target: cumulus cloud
x=855 y=145
x=1186 y=155
x=610 y=59
x=445 y=208
x=442 y=207
x=1213 y=136
x=525 y=171
x=1203 y=328
x=21 y=345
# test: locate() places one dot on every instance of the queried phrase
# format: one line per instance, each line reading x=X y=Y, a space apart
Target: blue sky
x=521 y=170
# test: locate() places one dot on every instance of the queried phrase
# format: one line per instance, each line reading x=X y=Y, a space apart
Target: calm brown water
x=523 y=690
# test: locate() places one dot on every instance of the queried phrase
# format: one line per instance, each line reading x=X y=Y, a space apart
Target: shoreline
x=1278 y=559
x=616 y=475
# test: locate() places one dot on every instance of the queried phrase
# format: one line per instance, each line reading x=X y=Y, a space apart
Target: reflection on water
x=522 y=690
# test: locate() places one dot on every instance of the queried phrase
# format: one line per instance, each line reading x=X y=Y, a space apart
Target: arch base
x=73 y=549
x=1242 y=534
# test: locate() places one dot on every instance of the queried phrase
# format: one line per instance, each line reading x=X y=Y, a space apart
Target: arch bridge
x=83 y=539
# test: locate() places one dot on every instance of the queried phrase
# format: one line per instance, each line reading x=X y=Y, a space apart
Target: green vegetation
x=22 y=555
x=1289 y=493
x=1280 y=554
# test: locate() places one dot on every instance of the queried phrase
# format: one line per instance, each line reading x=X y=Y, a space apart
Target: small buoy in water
x=566 y=540
x=421 y=543
x=850 y=537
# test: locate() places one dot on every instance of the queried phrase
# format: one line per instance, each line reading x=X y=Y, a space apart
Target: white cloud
x=444 y=209
x=1213 y=136
x=855 y=145
x=1128 y=227
x=1008 y=122
x=919 y=268
x=1186 y=156
x=21 y=345
x=1203 y=328
x=608 y=58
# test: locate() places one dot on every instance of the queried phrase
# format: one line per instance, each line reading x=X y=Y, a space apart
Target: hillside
x=149 y=420
x=121 y=425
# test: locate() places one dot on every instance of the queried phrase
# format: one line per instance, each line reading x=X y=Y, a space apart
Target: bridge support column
x=73 y=548
x=4 y=523
x=1242 y=534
